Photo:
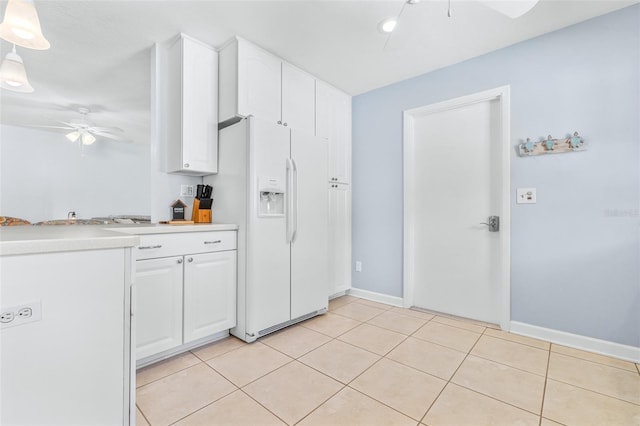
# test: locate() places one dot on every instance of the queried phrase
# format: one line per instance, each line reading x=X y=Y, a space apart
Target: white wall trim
x=376 y=297
x=502 y=94
x=603 y=347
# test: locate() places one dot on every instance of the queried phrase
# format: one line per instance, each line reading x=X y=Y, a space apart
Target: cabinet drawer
x=164 y=245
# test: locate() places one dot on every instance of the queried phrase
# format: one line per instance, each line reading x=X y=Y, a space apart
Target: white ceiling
x=99 y=54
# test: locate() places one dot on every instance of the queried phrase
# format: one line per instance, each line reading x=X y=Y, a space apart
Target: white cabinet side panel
x=228 y=82
x=230 y=193
x=68 y=367
x=268 y=252
x=259 y=82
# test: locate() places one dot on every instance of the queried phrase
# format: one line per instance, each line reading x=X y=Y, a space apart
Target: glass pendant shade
x=13 y=76
x=87 y=139
x=21 y=25
x=73 y=136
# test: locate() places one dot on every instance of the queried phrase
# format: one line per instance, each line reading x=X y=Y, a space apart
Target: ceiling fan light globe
x=13 y=75
x=387 y=25
x=73 y=136
x=21 y=25
x=88 y=139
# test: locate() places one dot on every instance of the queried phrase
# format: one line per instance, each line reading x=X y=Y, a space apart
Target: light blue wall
x=575 y=254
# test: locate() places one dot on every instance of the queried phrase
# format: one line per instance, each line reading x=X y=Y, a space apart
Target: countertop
x=15 y=240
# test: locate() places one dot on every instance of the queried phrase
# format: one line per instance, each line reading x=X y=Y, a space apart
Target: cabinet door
x=199 y=107
x=158 y=310
x=298 y=99
x=339 y=238
x=209 y=294
x=333 y=122
x=259 y=83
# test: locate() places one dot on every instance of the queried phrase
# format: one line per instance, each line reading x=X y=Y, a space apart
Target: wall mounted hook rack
x=552 y=146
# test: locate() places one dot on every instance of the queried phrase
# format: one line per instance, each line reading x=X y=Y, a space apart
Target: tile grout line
x=544 y=389
x=260 y=404
x=594 y=391
x=592 y=361
x=450 y=377
x=143 y=415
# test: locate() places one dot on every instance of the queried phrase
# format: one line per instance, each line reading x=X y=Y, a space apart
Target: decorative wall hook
x=549 y=143
x=552 y=146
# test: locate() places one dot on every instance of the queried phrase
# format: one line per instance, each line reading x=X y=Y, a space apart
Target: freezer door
x=309 y=250
x=268 y=270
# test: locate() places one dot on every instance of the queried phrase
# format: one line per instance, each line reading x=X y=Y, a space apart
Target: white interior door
x=456 y=159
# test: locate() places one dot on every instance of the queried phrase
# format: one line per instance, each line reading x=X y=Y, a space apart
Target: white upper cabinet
x=255 y=82
x=190 y=123
x=333 y=122
x=259 y=83
x=298 y=99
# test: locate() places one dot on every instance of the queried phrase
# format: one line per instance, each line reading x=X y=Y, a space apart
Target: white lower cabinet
x=339 y=238
x=209 y=304
x=158 y=305
x=184 y=298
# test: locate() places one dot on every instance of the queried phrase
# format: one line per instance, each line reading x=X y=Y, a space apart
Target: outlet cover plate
x=526 y=196
x=21 y=314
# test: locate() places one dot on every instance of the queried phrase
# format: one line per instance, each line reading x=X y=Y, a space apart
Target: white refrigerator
x=271 y=181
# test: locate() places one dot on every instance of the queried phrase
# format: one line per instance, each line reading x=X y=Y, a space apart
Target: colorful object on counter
x=177 y=210
x=201 y=212
x=13 y=221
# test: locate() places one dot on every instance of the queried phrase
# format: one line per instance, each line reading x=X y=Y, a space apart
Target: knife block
x=198 y=215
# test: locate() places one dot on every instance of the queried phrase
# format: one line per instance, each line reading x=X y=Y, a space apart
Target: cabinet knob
x=285 y=124
x=190 y=259
x=186 y=165
x=179 y=261
x=279 y=122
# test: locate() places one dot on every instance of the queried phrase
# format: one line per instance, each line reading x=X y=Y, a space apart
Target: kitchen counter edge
x=21 y=240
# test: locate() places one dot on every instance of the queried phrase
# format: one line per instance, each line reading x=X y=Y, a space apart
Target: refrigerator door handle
x=295 y=200
x=289 y=183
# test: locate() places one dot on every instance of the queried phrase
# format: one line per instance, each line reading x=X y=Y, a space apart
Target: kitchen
x=167 y=187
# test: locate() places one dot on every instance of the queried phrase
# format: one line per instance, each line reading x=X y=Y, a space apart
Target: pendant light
x=21 y=25
x=13 y=76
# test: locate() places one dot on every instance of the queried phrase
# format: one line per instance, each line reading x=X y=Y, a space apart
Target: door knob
x=494 y=223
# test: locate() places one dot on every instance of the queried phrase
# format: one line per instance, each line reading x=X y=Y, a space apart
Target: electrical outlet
x=358 y=266
x=186 y=191
x=18 y=315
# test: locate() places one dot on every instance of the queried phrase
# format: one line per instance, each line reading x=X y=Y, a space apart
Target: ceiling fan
x=511 y=8
x=85 y=130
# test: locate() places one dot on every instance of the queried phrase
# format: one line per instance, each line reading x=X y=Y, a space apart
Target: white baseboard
x=376 y=297
x=603 y=347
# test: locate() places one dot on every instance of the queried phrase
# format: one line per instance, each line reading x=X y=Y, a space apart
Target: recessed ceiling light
x=387 y=25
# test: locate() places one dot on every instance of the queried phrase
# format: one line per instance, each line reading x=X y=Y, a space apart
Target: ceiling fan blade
x=105 y=129
x=108 y=136
x=511 y=8
x=74 y=125
x=52 y=127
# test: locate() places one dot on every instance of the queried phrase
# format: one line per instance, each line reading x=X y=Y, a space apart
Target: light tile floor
x=366 y=363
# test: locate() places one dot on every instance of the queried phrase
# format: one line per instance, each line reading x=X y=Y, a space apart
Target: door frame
x=502 y=95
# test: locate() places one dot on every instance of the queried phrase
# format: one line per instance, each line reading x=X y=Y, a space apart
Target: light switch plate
x=526 y=196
